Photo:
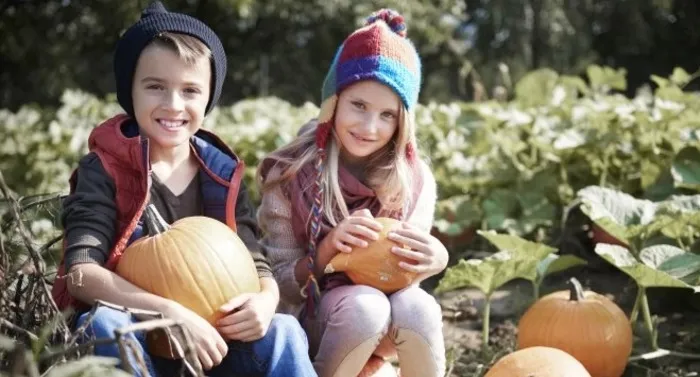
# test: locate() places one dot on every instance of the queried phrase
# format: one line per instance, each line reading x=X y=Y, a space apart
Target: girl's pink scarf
x=300 y=191
x=356 y=194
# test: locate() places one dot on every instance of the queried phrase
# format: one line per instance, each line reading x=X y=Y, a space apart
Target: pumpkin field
x=570 y=211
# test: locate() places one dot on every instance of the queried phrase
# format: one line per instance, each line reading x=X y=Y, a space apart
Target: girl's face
x=366 y=118
x=170 y=96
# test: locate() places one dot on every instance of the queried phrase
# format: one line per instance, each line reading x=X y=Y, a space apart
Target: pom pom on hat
x=391 y=18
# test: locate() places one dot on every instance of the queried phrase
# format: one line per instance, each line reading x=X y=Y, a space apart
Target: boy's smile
x=170 y=96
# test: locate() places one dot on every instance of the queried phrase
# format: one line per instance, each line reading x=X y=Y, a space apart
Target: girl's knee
x=414 y=308
x=365 y=309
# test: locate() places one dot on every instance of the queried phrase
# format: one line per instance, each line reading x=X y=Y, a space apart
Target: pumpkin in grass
x=538 y=362
x=585 y=324
x=375 y=265
x=198 y=262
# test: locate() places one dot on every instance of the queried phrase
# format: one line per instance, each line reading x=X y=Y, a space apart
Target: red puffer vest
x=126 y=160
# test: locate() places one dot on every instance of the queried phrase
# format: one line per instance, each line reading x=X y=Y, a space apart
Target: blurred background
x=533 y=115
x=472 y=49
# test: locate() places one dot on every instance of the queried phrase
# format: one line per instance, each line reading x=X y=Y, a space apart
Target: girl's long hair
x=387 y=171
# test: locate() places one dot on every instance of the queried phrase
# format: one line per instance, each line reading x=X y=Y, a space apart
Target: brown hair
x=187 y=48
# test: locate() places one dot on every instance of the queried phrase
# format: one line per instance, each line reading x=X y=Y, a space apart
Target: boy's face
x=170 y=97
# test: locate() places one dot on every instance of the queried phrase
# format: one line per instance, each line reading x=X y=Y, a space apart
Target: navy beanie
x=155 y=20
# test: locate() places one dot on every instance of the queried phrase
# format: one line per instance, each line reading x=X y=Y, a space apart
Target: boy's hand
x=248 y=316
x=427 y=251
x=210 y=346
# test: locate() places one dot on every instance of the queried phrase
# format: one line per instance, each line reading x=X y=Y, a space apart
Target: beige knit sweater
x=283 y=251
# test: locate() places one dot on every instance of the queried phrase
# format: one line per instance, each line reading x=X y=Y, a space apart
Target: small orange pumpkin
x=198 y=262
x=538 y=362
x=586 y=325
x=375 y=265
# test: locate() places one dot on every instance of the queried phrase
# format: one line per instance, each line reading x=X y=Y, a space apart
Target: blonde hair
x=186 y=47
x=388 y=171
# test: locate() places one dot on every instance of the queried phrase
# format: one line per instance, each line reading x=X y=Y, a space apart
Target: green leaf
x=654 y=256
x=606 y=78
x=536 y=87
x=660 y=81
x=644 y=275
x=498 y=208
x=685 y=169
x=521 y=247
x=614 y=211
x=681 y=266
x=488 y=274
x=556 y=263
x=680 y=77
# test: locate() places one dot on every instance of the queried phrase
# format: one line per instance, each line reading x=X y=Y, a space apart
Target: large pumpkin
x=538 y=362
x=587 y=325
x=375 y=265
x=198 y=262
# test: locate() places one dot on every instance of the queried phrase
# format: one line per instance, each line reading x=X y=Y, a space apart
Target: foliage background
x=471 y=49
x=524 y=104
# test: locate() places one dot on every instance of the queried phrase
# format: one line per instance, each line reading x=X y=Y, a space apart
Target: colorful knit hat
x=378 y=51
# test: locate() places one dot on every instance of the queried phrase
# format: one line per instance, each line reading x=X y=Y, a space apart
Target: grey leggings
x=353 y=320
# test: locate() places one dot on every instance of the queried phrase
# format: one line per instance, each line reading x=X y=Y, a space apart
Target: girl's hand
x=428 y=252
x=354 y=231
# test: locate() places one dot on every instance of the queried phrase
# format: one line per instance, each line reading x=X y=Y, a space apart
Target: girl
x=322 y=192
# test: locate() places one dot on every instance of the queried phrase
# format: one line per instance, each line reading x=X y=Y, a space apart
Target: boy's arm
x=89 y=216
x=88 y=282
x=249 y=232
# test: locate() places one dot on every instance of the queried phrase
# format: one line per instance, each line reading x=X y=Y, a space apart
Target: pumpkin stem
x=576 y=290
x=156 y=223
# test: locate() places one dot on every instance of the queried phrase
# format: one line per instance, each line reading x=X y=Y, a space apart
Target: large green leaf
x=627 y=218
x=686 y=168
x=606 y=78
x=645 y=275
x=556 y=263
x=521 y=247
x=684 y=266
x=536 y=87
x=615 y=211
x=456 y=213
x=655 y=256
x=488 y=274
x=498 y=207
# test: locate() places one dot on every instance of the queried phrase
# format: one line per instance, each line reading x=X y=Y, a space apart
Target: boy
x=169 y=72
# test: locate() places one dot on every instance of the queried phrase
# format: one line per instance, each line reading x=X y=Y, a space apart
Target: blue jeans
x=283 y=351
